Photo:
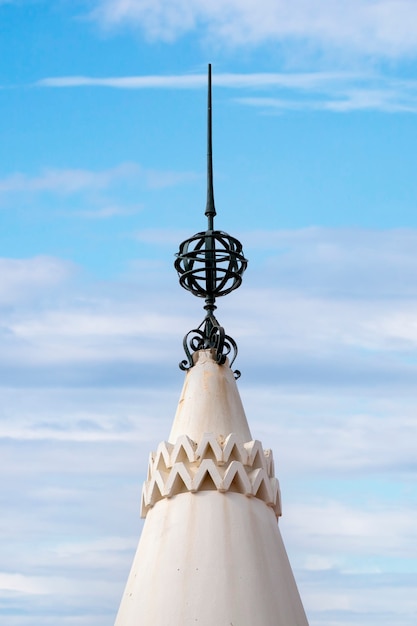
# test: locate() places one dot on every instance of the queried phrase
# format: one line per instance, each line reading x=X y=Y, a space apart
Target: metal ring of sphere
x=210 y=263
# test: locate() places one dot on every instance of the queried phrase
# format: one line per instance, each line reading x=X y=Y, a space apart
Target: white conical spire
x=209 y=402
x=211 y=552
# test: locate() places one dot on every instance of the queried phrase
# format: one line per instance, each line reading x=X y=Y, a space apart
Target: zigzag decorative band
x=212 y=464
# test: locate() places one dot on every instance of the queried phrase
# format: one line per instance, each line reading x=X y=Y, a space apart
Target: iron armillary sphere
x=210 y=264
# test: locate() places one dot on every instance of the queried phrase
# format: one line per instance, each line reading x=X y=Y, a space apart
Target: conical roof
x=211 y=552
x=209 y=402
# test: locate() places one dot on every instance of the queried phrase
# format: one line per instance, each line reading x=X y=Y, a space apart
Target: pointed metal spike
x=210 y=208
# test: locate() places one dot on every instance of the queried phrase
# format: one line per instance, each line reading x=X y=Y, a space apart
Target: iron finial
x=210 y=264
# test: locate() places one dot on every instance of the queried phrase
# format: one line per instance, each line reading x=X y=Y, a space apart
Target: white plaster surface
x=211 y=553
x=211 y=559
x=209 y=402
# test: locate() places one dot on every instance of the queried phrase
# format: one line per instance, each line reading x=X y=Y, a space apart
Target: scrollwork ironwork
x=209 y=335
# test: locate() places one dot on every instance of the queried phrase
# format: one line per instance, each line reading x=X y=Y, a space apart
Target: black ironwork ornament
x=210 y=264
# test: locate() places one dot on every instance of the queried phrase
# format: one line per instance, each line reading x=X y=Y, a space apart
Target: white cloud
x=328 y=91
x=341 y=94
x=22 y=279
x=70 y=181
x=331 y=290
x=67 y=181
x=370 y=601
x=328 y=351
x=385 y=28
x=93 y=323
x=303 y=81
x=52 y=585
x=109 y=211
x=356 y=444
x=23 y=584
x=331 y=527
x=88 y=335
x=128 y=82
x=345 y=262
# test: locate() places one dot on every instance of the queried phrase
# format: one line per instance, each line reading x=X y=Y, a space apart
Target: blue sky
x=102 y=174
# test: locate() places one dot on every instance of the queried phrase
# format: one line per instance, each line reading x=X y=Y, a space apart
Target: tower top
x=210 y=264
x=211 y=551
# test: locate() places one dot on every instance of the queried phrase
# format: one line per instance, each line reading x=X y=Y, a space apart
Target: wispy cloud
x=326 y=91
x=328 y=351
x=107 y=195
x=384 y=95
x=384 y=28
x=70 y=181
x=305 y=80
x=23 y=279
x=340 y=263
x=67 y=181
x=109 y=211
x=332 y=291
x=323 y=525
x=192 y=81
